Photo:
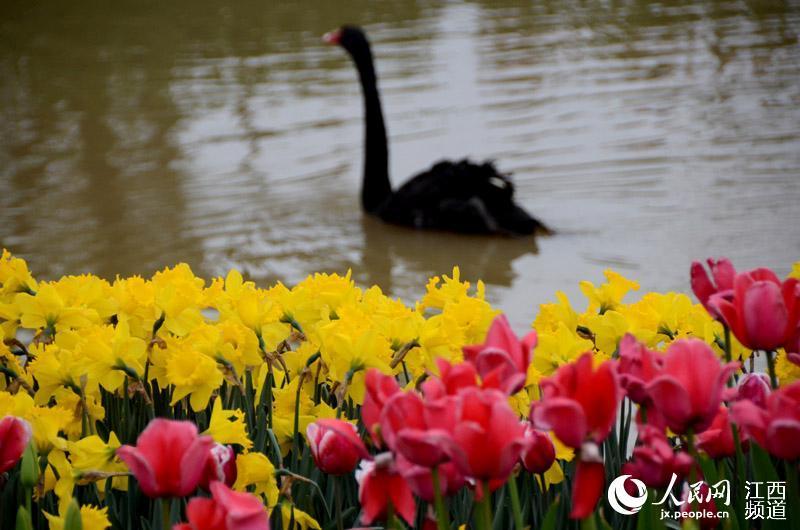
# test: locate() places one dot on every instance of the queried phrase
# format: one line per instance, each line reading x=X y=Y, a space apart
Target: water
x=134 y=135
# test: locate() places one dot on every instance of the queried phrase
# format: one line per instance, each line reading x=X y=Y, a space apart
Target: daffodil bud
x=29 y=468
x=72 y=521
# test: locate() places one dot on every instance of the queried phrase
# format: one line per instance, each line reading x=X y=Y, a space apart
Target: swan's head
x=351 y=38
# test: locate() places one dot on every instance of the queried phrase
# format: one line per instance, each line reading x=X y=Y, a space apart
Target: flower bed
x=172 y=402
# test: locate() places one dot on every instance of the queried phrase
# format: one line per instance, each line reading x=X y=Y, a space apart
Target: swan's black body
x=457 y=196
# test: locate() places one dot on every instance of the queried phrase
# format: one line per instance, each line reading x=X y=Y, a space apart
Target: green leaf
x=550 y=518
x=763 y=470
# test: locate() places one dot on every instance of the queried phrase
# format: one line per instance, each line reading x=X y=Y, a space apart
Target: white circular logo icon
x=621 y=501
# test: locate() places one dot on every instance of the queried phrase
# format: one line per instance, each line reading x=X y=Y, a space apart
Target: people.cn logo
x=619 y=498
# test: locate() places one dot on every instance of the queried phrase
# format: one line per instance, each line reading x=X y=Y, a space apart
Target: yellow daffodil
x=608 y=295
x=192 y=374
x=254 y=470
x=228 y=426
x=302 y=521
x=92 y=518
x=14 y=276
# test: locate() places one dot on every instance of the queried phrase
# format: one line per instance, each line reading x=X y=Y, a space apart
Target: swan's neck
x=376 y=187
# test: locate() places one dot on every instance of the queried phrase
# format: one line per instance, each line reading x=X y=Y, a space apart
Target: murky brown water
x=134 y=135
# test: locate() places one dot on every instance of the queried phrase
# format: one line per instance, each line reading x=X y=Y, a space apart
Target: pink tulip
x=417 y=429
x=380 y=483
x=487 y=437
x=502 y=360
x=540 y=454
x=754 y=387
x=763 y=312
x=704 y=287
x=689 y=391
x=776 y=427
x=225 y=510
x=379 y=388
x=335 y=446
x=637 y=366
x=653 y=461
x=15 y=433
x=169 y=458
x=579 y=403
x=220 y=466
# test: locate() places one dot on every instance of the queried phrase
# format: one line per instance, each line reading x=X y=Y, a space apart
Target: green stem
x=739 y=474
x=728 y=357
x=442 y=516
x=515 y=506
x=337 y=499
x=484 y=512
x=771 y=366
x=164 y=514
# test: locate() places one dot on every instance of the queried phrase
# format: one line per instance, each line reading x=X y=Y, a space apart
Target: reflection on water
x=137 y=134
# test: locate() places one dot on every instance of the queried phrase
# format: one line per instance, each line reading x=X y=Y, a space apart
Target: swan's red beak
x=333 y=37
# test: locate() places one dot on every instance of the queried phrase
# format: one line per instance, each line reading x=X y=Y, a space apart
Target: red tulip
x=689 y=390
x=335 y=446
x=169 y=458
x=579 y=402
x=776 y=428
x=763 y=312
x=452 y=378
x=379 y=388
x=653 y=461
x=379 y=483
x=540 y=453
x=15 y=433
x=502 y=360
x=417 y=429
x=404 y=410
x=637 y=366
x=420 y=478
x=717 y=441
x=225 y=510
x=220 y=466
x=703 y=286
x=590 y=477
x=487 y=437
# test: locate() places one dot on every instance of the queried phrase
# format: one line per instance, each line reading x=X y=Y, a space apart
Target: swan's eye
x=498 y=182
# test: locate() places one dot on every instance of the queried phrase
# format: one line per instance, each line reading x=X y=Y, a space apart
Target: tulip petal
x=564 y=417
x=672 y=401
x=782 y=436
x=347 y=431
x=587 y=488
x=765 y=315
x=140 y=468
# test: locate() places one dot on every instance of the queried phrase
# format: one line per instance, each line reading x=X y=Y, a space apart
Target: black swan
x=456 y=196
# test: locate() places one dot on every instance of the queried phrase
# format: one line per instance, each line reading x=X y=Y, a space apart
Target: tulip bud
x=29 y=468
x=335 y=446
x=220 y=465
x=15 y=434
x=755 y=387
x=73 y=521
x=23 y=519
x=540 y=454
